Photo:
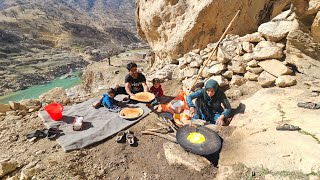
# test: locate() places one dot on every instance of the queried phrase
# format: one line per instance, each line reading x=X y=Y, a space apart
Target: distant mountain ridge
x=112 y=21
x=43 y=39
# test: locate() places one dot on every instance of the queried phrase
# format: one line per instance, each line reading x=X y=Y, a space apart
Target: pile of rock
x=238 y=60
x=260 y=57
x=20 y=109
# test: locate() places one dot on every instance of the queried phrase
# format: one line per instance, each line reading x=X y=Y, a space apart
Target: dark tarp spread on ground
x=99 y=124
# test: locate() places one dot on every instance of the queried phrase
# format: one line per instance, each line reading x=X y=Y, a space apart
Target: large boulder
x=300 y=7
x=217 y=69
x=222 y=56
x=254 y=38
x=31 y=104
x=255 y=70
x=275 y=31
x=14 y=105
x=57 y=94
x=251 y=76
x=286 y=81
x=315 y=28
x=7 y=167
x=163 y=74
x=314 y=6
x=303 y=51
x=237 y=67
x=237 y=80
x=221 y=80
x=187 y=83
x=177 y=156
x=266 y=79
x=188 y=72
x=275 y=67
x=256 y=143
x=4 y=108
x=268 y=52
x=173 y=27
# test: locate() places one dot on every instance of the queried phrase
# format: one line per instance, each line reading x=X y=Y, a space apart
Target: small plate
x=131 y=113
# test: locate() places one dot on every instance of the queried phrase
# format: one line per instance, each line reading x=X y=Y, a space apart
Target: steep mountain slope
x=54 y=32
x=50 y=20
x=115 y=13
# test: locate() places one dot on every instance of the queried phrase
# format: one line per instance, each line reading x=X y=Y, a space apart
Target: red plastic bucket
x=54 y=110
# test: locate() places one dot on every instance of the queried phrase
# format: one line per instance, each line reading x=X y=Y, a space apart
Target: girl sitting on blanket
x=109 y=102
x=156 y=89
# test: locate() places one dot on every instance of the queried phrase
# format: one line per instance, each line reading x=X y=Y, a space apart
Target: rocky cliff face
x=173 y=28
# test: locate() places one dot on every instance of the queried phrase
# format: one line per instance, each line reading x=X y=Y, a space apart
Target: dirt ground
x=103 y=160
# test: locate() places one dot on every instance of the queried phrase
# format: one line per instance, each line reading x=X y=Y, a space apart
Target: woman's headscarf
x=211 y=84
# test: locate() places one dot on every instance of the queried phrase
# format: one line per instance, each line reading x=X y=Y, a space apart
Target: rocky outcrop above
x=272 y=57
x=303 y=50
x=173 y=28
x=315 y=29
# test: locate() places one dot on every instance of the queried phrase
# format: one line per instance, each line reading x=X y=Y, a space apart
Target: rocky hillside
x=40 y=40
x=110 y=13
x=173 y=28
x=61 y=24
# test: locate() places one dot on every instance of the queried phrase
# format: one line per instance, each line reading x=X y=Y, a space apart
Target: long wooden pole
x=214 y=50
x=172 y=139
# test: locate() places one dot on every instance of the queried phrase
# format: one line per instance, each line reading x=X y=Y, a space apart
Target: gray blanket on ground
x=99 y=124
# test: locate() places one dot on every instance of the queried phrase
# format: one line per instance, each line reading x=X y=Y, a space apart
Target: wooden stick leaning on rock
x=214 y=50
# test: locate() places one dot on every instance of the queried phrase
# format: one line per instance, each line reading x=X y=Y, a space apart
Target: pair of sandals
x=309 y=105
x=129 y=137
x=50 y=133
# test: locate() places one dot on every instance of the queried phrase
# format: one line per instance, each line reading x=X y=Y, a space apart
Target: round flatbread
x=131 y=113
x=198 y=140
x=143 y=97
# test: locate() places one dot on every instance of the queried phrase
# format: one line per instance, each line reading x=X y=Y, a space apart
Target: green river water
x=36 y=90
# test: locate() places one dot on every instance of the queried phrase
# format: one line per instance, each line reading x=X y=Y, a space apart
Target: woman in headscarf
x=208 y=104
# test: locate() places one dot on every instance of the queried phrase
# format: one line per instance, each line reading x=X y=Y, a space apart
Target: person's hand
x=192 y=111
x=220 y=121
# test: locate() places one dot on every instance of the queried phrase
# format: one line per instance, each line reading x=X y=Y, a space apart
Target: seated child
x=109 y=102
x=156 y=90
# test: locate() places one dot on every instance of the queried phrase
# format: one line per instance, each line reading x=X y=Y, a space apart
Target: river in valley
x=36 y=90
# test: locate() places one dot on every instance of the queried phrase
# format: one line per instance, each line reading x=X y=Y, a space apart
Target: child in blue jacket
x=109 y=102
